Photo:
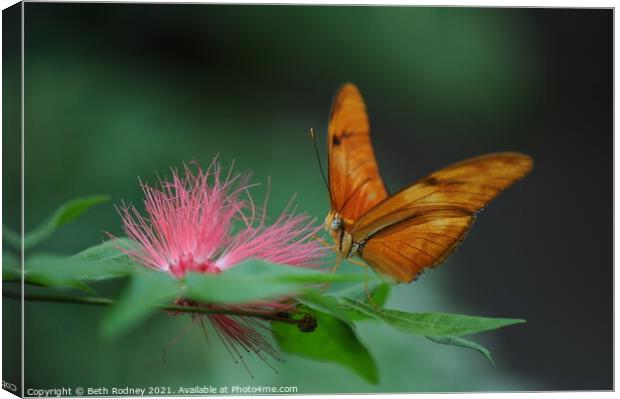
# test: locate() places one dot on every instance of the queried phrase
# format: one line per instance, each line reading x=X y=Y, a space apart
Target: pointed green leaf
x=332 y=341
x=12 y=238
x=380 y=295
x=91 y=265
x=372 y=287
x=331 y=305
x=105 y=260
x=223 y=288
x=463 y=343
x=50 y=270
x=66 y=213
x=11 y=270
x=358 y=289
x=147 y=291
x=326 y=304
x=289 y=274
x=254 y=280
x=431 y=324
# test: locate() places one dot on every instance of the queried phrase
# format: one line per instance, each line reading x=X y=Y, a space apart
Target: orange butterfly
x=417 y=228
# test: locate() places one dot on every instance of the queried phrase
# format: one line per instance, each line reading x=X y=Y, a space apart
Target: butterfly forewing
x=354 y=179
x=419 y=226
x=466 y=186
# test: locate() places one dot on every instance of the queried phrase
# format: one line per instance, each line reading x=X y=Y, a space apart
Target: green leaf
x=326 y=304
x=373 y=287
x=50 y=270
x=332 y=341
x=331 y=304
x=12 y=238
x=380 y=294
x=147 y=291
x=431 y=324
x=223 y=288
x=97 y=263
x=463 y=343
x=356 y=290
x=258 y=268
x=11 y=270
x=68 y=212
x=106 y=260
x=254 y=280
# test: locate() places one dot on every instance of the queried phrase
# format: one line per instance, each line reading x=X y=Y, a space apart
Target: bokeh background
x=114 y=92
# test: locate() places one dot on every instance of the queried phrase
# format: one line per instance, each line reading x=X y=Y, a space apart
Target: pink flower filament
x=189 y=228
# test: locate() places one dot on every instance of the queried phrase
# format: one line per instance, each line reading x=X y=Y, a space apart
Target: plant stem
x=98 y=301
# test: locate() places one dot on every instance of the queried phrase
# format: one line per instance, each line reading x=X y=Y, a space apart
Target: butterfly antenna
x=318 y=158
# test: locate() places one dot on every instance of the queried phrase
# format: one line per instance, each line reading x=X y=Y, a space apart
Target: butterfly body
x=334 y=224
x=420 y=226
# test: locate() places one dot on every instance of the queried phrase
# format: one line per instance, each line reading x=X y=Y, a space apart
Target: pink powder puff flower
x=189 y=228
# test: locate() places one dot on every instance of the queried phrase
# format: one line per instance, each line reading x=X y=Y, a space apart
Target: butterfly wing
x=406 y=249
x=354 y=181
x=421 y=225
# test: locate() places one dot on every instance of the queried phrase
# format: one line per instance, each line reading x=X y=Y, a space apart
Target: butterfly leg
x=339 y=257
x=325 y=243
x=370 y=300
x=359 y=263
x=366 y=268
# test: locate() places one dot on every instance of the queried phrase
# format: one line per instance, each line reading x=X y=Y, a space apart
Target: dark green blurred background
x=118 y=91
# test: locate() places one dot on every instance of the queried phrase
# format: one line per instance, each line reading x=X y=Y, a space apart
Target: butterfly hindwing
x=407 y=248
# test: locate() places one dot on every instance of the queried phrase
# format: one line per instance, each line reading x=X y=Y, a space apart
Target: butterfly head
x=333 y=223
